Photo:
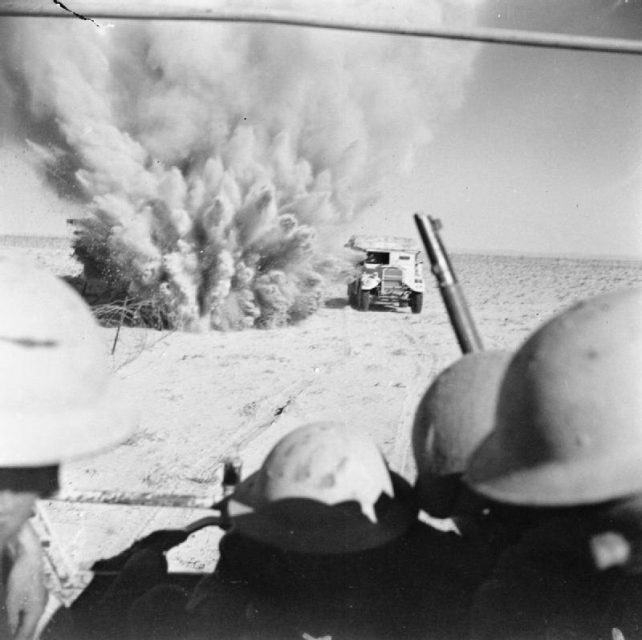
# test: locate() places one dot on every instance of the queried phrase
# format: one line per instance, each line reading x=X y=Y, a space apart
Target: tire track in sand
x=402 y=459
x=260 y=429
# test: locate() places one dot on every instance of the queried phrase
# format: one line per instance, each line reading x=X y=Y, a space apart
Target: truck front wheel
x=352 y=298
x=364 y=300
x=416 y=302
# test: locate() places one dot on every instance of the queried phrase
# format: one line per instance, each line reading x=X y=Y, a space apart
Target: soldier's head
x=57 y=397
x=568 y=428
x=324 y=489
x=453 y=417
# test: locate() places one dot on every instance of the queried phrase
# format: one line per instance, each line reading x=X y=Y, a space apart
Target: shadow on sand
x=342 y=303
x=336 y=303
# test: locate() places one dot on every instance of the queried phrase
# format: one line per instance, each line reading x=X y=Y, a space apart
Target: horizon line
x=509 y=253
x=571 y=255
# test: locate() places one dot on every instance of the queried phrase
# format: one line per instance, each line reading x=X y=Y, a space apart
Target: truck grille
x=391 y=281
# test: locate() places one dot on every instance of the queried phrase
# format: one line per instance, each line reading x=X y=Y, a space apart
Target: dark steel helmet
x=569 y=417
x=454 y=416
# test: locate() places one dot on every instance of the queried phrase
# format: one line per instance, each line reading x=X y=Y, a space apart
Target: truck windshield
x=377 y=257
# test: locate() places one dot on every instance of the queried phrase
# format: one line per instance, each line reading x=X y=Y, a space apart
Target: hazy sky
x=545 y=155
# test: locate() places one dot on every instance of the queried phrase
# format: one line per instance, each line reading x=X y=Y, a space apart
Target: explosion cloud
x=215 y=160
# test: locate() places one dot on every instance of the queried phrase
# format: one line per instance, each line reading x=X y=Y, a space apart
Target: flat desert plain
x=203 y=397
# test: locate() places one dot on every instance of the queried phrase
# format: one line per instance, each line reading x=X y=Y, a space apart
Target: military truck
x=389 y=273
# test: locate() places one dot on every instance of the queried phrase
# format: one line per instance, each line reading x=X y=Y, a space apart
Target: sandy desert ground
x=205 y=396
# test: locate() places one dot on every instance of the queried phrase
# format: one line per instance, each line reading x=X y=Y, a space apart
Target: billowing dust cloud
x=217 y=162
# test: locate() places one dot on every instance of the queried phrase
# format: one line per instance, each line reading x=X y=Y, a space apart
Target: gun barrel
x=449 y=287
x=461 y=318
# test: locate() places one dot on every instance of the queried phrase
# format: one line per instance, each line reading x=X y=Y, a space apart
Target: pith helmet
x=569 y=418
x=57 y=398
x=454 y=416
x=323 y=489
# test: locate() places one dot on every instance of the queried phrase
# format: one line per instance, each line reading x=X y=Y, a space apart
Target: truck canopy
x=382 y=243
